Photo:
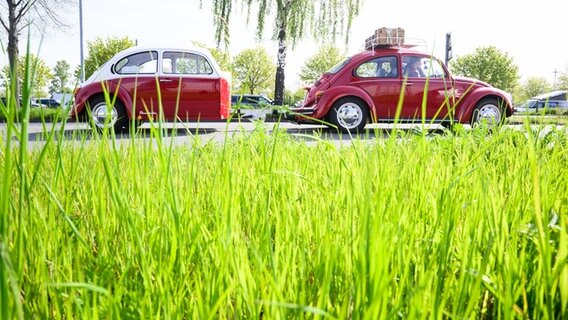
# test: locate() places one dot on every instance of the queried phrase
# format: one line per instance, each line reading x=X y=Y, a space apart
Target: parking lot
x=218 y=132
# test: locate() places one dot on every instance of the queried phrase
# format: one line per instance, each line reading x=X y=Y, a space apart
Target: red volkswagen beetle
x=140 y=84
x=396 y=83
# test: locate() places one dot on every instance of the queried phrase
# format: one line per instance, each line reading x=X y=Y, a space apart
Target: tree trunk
x=281 y=64
x=13 y=53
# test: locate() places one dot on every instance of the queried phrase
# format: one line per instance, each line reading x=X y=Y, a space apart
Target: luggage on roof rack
x=385 y=37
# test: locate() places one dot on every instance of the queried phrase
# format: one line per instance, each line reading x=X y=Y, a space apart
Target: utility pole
x=82 y=77
x=554 y=83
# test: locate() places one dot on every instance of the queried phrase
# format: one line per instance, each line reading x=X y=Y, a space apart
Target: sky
x=533 y=33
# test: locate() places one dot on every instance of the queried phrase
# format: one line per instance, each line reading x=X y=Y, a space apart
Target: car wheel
x=488 y=112
x=349 y=114
x=102 y=116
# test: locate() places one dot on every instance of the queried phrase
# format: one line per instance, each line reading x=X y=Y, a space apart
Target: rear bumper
x=299 y=114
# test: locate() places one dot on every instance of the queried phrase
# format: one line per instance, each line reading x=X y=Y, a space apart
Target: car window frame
x=377 y=76
x=118 y=70
x=339 y=66
x=212 y=71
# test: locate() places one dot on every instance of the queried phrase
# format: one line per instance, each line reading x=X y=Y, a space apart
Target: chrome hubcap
x=349 y=115
x=104 y=116
x=489 y=114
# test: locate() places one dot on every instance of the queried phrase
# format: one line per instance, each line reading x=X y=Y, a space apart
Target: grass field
x=471 y=225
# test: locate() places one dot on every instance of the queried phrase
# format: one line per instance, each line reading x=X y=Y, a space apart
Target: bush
x=39 y=114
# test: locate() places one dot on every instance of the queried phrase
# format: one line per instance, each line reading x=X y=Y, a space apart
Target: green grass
x=458 y=226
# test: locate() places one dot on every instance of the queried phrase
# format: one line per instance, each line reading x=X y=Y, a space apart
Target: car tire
x=101 y=119
x=488 y=112
x=349 y=114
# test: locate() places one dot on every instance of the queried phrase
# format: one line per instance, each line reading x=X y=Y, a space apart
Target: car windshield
x=335 y=69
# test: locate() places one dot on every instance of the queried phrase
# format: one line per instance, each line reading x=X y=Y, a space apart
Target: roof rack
x=409 y=43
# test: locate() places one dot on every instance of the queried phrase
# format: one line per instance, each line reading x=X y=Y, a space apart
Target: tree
x=100 y=51
x=534 y=86
x=222 y=57
x=326 y=57
x=40 y=75
x=488 y=64
x=293 y=20
x=562 y=83
x=60 y=77
x=16 y=15
x=253 y=70
x=294 y=98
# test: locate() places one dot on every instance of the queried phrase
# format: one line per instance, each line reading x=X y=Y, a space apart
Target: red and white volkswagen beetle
x=140 y=84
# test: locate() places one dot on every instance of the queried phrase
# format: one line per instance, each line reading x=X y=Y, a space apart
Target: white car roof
x=102 y=71
x=550 y=95
x=162 y=48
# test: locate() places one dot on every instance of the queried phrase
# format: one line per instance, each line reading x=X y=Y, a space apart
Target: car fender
x=111 y=87
x=470 y=100
x=333 y=94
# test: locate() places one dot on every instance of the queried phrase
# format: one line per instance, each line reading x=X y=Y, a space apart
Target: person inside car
x=414 y=69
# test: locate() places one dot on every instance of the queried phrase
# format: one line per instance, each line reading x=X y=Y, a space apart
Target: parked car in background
x=65 y=100
x=33 y=104
x=367 y=87
x=248 y=106
x=140 y=84
x=550 y=101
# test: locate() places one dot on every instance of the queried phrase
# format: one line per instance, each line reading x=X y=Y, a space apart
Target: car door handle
x=166 y=80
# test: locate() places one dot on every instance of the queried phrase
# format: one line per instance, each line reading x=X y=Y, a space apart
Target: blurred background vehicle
x=554 y=100
x=47 y=102
x=248 y=106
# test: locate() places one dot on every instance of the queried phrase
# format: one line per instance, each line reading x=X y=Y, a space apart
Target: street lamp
x=82 y=77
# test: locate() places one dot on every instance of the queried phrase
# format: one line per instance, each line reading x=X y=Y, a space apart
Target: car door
x=137 y=75
x=431 y=78
x=189 y=86
x=379 y=78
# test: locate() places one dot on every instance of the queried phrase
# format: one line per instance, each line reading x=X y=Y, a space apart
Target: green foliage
x=60 y=78
x=320 y=19
x=293 y=97
x=100 y=51
x=318 y=64
x=534 y=86
x=40 y=78
x=222 y=57
x=562 y=81
x=253 y=71
x=488 y=64
x=39 y=114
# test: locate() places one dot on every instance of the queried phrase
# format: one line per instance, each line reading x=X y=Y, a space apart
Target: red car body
x=140 y=84
x=374 y=86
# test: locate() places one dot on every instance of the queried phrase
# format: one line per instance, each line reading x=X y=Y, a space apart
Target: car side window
x=185 y=63
x=383 y=67
x=433 y=68
x=139 y=63
x=422 y=67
